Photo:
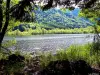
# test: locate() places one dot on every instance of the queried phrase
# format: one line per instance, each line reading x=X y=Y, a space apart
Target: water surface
x=49 y=42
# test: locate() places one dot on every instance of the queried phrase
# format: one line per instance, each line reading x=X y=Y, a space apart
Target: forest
x=53 y=21
x=28 y=22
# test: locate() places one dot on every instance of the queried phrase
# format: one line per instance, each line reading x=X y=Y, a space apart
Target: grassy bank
x=73 y=53
x=52 y=31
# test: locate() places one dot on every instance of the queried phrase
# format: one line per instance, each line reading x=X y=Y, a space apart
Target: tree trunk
x=96 y=42
x=1 y=15
x=6 y=23
x=1 y=19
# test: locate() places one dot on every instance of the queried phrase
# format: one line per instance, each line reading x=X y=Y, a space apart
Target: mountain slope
x=58 y=19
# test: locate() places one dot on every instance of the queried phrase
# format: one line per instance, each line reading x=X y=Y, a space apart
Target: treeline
x=38 y=30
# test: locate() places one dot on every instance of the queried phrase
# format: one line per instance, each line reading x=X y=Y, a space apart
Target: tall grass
x=74 y=52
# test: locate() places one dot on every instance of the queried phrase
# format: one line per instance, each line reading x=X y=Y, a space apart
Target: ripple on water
x=49 y=42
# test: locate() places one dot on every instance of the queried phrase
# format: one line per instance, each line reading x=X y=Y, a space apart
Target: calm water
x=49 y=42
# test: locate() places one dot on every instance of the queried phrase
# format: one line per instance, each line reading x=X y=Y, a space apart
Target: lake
x=49 y=42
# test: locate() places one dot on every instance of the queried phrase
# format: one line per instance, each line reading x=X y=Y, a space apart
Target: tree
x=3 y=30
x=94 y=15
x=17 y=11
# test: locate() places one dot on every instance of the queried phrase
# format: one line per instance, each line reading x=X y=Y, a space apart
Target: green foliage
x=45 y=58
x=74 y=52
x=92 y=15
x=11 y=67
x=61 y=55
x=40 y=30
x=12 y=24
x=3 y=56
x=13 y=2
x=64 y=10
x=15 y=68
x=9 y=43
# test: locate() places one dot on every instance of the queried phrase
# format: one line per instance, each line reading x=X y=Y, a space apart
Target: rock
x=64 y=67
x=57 y=68
x=16 y=58
x=80 y=67
x=19 y=74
